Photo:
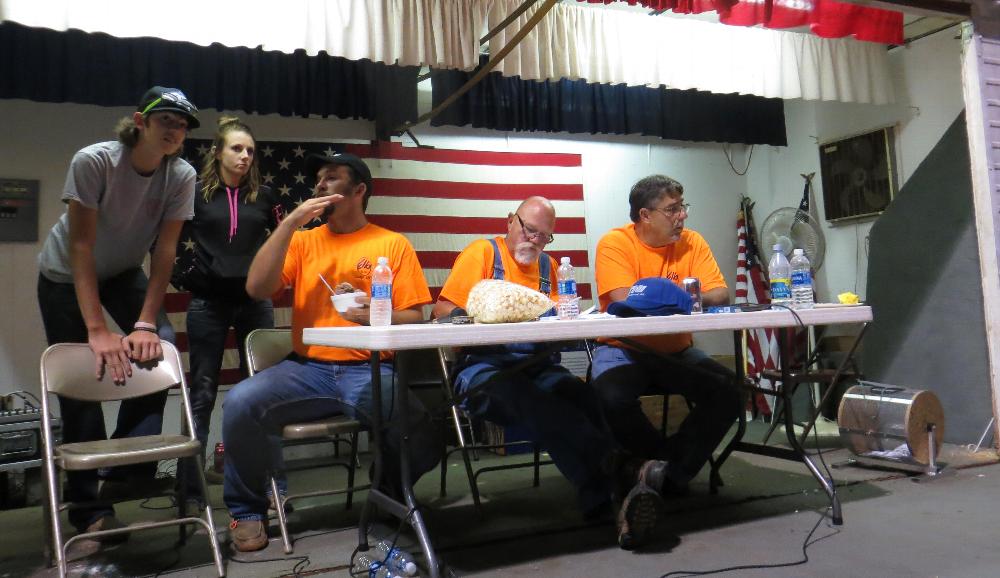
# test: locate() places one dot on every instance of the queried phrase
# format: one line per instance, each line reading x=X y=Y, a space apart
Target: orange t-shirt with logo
x=623 y=259
x=347 y=257
x=475 y=263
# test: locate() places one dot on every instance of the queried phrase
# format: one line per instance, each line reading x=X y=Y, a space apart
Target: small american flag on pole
x=761 y=350
x=440 y=199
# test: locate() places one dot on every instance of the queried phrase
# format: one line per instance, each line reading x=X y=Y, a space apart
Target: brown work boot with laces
x=248 y=535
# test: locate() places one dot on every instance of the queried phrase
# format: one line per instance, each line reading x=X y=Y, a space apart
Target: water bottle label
x=780 y=289
x=567 y=287
x=801 y=278
x=381 y=291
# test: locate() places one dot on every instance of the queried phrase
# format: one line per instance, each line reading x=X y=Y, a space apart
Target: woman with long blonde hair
x=233 y=214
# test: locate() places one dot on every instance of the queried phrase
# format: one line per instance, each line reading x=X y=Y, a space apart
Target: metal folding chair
x=462 y=421
x=266 y=347
x=67 y=370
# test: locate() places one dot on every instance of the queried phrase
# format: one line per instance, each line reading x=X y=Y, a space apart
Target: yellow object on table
x=848 y=298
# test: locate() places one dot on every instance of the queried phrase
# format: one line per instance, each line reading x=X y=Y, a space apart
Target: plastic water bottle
x=569 y=305
x=780 y=273
x=802 y=285
x=381 y=304
x=365 y=565
x=396 y=560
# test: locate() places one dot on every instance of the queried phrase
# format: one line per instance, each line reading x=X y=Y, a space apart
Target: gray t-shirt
x=130 y=209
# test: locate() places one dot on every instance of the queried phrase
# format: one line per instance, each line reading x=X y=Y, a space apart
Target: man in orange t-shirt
x=656 y=244
x=558 y=410
x=316 y=382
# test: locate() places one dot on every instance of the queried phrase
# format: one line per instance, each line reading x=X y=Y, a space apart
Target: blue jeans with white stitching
x=297 y=390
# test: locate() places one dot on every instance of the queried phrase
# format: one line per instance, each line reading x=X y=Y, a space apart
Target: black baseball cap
x=315 y=162
x=160 y=98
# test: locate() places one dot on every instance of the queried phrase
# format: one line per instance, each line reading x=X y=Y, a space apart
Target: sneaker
x=637 y=518
x=248 y=535
x=108 y=522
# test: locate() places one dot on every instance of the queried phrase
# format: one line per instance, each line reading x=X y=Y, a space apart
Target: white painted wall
x=929 y=93
x=40 y=138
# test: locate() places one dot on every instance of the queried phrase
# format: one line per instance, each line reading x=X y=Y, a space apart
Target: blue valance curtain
x=73 y=66
x=510 y=103
x=94 y=68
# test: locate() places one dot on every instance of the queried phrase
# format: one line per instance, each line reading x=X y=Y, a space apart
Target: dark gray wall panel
x=924 y=287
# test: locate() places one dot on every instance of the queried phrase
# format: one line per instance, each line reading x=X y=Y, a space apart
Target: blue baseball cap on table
x=652 y=296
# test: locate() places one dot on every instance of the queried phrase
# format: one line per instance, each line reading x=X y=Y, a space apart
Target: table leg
x=741 y=424
x=407 y=512
x=785 y=337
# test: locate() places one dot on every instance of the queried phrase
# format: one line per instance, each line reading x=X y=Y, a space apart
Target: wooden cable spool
x=881 y=418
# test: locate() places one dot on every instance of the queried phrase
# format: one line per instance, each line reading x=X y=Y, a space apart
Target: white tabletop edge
x=429 y=335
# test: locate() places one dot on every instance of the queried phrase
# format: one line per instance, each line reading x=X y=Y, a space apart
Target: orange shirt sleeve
x=615 y=266
x=703 y=264
x=473 y=264
x=409 y=286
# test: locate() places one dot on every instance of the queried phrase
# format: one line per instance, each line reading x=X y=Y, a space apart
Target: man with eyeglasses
x=656 y=244
x=557 y=410
x=120 y=196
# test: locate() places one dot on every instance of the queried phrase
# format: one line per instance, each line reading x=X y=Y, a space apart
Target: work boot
x=248 y=535
x=637 y=518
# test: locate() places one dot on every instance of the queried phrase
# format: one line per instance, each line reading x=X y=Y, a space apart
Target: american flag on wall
x=440 y=199
x=761 y=350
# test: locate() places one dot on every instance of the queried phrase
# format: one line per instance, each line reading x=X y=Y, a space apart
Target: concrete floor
x=769 y=515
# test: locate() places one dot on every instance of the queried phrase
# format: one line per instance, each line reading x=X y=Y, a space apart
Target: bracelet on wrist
x=144 y=325
x=144 y=328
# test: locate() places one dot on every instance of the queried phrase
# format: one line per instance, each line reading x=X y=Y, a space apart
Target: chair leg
x=444 y=467
x=351 y=470
x=213 y=538
x=666 y=412
x=538 y=465
x=279 y=504
x=180 y=494
x=53 y=488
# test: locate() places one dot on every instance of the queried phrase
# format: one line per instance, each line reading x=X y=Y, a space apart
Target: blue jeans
x=298 y=390
x=208 y=323
x=621 y=375
x=558 y=411
x=122 y=296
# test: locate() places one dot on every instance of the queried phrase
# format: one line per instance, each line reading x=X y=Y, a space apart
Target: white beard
x=526 y=253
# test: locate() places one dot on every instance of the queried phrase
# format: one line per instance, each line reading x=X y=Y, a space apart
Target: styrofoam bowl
x=344 y=301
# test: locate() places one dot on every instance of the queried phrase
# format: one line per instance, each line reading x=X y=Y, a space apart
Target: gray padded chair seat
x=324 y=427
x=124 y=451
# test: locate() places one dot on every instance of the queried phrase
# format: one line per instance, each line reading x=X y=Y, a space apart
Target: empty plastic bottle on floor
x=363 y=564
x=396 y=559
x=569 y=304
x=366 y=564
x=802 y=285
x=381 y=304
x=780 y=273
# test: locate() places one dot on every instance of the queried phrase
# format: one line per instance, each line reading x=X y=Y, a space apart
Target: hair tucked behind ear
x=210 y=177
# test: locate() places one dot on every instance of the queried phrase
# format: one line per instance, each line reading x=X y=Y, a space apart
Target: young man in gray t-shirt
x=121 y=197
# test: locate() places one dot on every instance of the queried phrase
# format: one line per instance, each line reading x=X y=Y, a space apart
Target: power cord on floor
x=805 y=557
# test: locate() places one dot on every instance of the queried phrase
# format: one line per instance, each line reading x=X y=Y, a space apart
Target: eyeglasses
x=674 y=210
x=532 y=234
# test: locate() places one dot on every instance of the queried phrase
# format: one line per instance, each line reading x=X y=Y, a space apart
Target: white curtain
x=611 y=46
x=441 y=33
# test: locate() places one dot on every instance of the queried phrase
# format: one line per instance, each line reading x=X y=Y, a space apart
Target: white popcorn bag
x=496 y=301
